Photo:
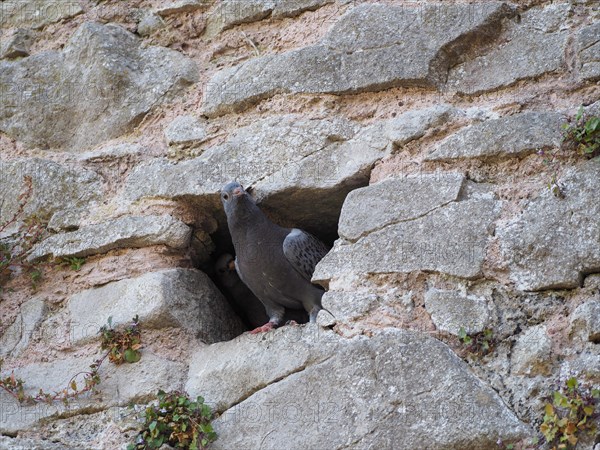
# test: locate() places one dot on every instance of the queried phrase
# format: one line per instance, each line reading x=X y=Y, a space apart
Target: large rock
x=449 y=239
x=124 y=232
x=170 y=298
x=16 y=338
x=588 y=50
x=37 y=13
x=368 y=209
x=453 y=310
x=554 y=241
x=228 y=372
x=229 y=13
x=54 y=188
x=119 y=385
x=97 y=88
x=515 y=135
x=372 y=47
x=530 y=49
x=397 y=390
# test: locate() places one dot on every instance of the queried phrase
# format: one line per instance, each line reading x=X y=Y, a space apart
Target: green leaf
x=152 y=426
x=579 y=114
x=109 y=321
x=132 y=356
x=462 y=333
x=572 y=383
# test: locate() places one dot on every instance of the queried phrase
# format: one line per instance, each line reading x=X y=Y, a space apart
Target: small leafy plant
x=73 y=262
x=122 y=345
x=583 y=133
x=478 y=343
x=571 y=410
x=178 y=421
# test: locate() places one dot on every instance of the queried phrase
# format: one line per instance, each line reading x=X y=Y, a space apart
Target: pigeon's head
x=233 y=196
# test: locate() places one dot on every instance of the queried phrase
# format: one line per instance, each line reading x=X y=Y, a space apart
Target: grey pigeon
x=244 y=302
x=276 y=263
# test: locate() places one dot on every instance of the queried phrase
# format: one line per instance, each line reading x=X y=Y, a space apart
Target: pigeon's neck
x=246 y=216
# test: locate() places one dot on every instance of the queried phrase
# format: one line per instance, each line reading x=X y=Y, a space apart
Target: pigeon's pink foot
x=266 y=327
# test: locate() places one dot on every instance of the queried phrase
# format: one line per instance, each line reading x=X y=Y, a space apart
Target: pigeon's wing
x=303 y=251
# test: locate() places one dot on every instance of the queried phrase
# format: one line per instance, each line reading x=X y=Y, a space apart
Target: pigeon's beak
x=238 y=191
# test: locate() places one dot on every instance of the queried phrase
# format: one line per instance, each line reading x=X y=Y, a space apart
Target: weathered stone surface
x=150 y=23
x=254 y=362
x=451 y=239
x=8 y=443
x=508 y=136
x=16 y=338
x=54 y=188
x=37 y=13
x=151 y=373
x=346 y=306
x=531 y=353
x=229 y=13
x=124 y=232
x=396 y=200
x=181 y=6
x=453 y=310
x=185 y=130
x=370 y=48
x=97 y=88
x=588 y=50
x=585 y=321
x=380 y=392
x=170 y=298
x=18 y=44
x=555 y=241
x=529 y=50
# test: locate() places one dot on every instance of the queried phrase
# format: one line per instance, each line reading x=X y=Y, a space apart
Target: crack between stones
x=275 y=381
x=426 y=213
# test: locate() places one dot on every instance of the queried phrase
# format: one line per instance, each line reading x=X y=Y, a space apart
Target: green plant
x=122 y=345
x=478 y=343
x=73 y=262
x=583 y=133
x=112 y=339
x=14 y=250
x=178 y=421
x=570 y=411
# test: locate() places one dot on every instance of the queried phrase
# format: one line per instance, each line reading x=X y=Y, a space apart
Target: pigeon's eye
x=225 y=196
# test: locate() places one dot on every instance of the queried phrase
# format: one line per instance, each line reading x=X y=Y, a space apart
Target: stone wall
x=419 y=138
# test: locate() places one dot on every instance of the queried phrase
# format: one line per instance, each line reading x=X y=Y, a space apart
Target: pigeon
x=245 y=303
x=276 y=263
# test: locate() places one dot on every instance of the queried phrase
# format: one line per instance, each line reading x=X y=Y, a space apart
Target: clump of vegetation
x=583 y=134
x=14 y=251
x=178 y=421
x=73 y=262
x=570 y=411
x=122 y=345
x=479 y=344
x=118 y=343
